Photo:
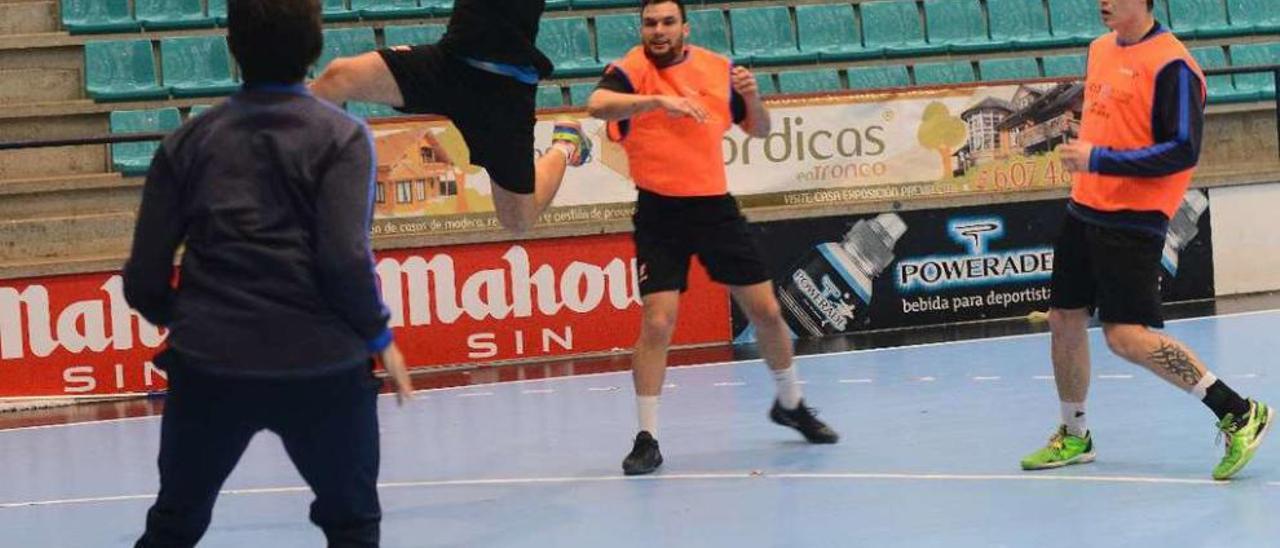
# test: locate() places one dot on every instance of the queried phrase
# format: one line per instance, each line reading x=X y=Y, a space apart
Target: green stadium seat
x=97 y=16
x=1260 y=85
x=557 y=4
x=370 y=110
x=567 y=42
x=766 y=84
x=1220 y=87
x=344 y=43
x=197 y=110
x=121 y=70
x=549 y=96
x=1254 y=16
x=196 y=66
x=337 y=10
x=958 y=25
x=708 y=30
x=133 y=159
x=1019 y=68
x=218 y=11
x=891 y=76
x=809 y=81
x=831 y=32
x=1022 y=23
x=1070 y=64
x=415 y=35
x=579 y=93
x=893 y=27
x=943 y=73
x=764 y=36
x=171 y=14
x=389 y=9
x=616 y=34
x=438 y=7
x=1201 y=19
x=1076 y=20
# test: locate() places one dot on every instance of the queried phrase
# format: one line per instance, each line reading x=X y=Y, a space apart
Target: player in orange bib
x=669 y=105
x=1139 y=145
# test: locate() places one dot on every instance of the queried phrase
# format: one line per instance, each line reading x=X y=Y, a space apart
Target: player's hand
x=744 y=82
x=1075 y=155
x=393 y=361
x=678 y=107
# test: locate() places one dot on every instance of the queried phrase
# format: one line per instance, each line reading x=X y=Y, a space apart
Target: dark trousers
x=329 y=426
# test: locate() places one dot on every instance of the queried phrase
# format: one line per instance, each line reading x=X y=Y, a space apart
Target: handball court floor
x=931 y=438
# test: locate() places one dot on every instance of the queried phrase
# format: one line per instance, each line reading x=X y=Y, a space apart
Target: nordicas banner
x=838 y=275
x=75 y=335
x=845 y=149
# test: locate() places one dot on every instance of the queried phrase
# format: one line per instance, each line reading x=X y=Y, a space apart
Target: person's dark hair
x=274 y=40
x=679 y=3
x=1151 y=5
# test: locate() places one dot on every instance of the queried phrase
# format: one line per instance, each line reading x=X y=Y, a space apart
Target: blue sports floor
x=932 y=436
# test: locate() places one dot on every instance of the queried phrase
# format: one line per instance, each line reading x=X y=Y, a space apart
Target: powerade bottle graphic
x=829 y=290
x=1183 y=228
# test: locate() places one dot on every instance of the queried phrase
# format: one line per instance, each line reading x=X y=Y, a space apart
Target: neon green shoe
x=570 y=131
x=1063 y=450
x=1242 y=440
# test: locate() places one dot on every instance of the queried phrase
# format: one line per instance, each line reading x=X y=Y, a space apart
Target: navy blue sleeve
x=344 y=254
x=1177 y=122
x=160 y=229
x=738 y=107
x=614 y=80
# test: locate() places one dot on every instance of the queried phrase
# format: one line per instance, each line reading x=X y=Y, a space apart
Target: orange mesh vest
x=677 y=156
x=1119 y=94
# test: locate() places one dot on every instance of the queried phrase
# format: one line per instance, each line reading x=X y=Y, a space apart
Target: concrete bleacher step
x=55 y=197
x=57 y=238
x=28 y=16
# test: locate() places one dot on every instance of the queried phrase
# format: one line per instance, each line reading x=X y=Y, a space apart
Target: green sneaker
x=1063 y=450
x=1242 y=440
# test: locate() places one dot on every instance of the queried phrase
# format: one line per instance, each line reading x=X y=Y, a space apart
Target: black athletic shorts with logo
x=1113 y=270
x=669 y=231
x=494 y=113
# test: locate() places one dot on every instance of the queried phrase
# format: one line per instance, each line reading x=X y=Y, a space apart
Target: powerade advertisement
x=836 y=275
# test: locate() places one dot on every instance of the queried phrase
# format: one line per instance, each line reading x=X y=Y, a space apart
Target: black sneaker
x=644 y=457
x=803 y=420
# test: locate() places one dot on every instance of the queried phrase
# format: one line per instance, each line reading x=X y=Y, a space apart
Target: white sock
x=569 y=149
x=1201 y=389
x=1074 y=418
x=647 y=411
x=788 y=387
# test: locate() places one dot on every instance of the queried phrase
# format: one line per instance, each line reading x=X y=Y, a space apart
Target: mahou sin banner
x=76 y=335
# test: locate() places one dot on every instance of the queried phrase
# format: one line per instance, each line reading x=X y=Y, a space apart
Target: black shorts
x=1113 y=270
x=495 y=113
x=669 y=231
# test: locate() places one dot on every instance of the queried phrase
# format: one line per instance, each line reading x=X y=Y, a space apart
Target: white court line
x=603 y=388
x=1115 y=376
x=475 y=395
x=995 y=378
x=734 y=383
x=754 y=475
x=855 y=381
x=668 y=386
x=1043 y=377
x=1246 y=376
x=926 y=379
x=542 y=391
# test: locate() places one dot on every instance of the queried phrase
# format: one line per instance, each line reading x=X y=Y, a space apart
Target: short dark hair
x=1151 y=5
x=679 y=3
x=274 y=40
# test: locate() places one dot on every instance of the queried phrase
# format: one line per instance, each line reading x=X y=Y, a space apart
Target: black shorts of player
x=494 y=113
x=1113 y=270
x=670 y=231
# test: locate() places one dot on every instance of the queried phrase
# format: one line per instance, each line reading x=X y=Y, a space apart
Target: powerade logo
x=828 y=299
x=978 y=267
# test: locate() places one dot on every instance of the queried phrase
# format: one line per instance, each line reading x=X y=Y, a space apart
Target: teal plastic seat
x=438 y=7
x=171 y=14
x=370 y=110
x=1058 y=66
x=579 y=93
x=1254 y=16
x=97 y=16
x=764 y=36
x=1018 y=68
x=1202 y=19
x=196 y=66
x=1022 y=24
x=389 y=9
x=553 y=5
x=944 y=73
x=567 y=42
x=831 y=32
x=1076 y=20
x=134 y=159
x=337 y=11
x=121 y=70
x=891 y=76
x=218 y=11
x=197 y=110
x=344 y=43
x=708 y=30
x=1260 y=85
x=549 y=96
x=809 y=81
x=616 y=34
x=958 y=25
x=1221 y=88
x=766 y=84
x=893 y=27
x=415 y=35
